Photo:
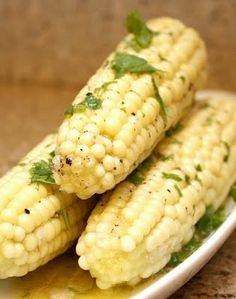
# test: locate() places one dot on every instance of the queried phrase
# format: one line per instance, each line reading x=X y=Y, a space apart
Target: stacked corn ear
x=119 y=116
x=37 y=221
x=135 y=228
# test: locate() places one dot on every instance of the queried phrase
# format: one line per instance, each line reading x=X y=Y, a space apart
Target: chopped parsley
x=135 y=178
x=91 y=102
x=163 y=157
x=66 y=218
x=182 y=78
x=233 y=192
x=126 y=63
x=146 y=164
x=187 y=178
x=142 y=34
x=100 y=90
x=198 y=167
x=226 y=157
x=178 y=189
x=174 y=130
x=171 y=176
x=52 y=154
x=210 y=221
x=41 y=172
x=22 y=164
x=159 y=99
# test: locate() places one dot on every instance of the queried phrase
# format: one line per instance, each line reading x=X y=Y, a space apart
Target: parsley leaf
x=159 y=99
x=210 y=221
x=226 y=157
x=142 y=34
x=178 y=190
x=171 y=176
x=174 y=130
x=100 y=90
x=126 y=63
x=91 y=102
x=41 y=172
x=135 y=178
x=233 y=192
x=66 y=218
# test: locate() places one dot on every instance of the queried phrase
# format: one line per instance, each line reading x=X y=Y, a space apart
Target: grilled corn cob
x=119 y=116
x=135 y=228
x=37 y=221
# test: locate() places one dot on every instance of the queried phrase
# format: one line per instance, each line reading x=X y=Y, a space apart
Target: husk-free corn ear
x=115 y=122
x=135 y=228
x=37 y=221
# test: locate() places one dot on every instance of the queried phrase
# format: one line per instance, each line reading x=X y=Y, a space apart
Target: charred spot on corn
x=41 y=172
x=126 y=63
x=27 y=211
x=171 y=176
x=142 y=34
x=68 y=161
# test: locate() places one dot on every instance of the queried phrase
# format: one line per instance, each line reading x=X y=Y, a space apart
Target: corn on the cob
x=115 y=122
x=135 y=228
x=37 y=221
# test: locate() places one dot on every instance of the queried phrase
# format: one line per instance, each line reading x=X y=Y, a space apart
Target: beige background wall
x=63 y=42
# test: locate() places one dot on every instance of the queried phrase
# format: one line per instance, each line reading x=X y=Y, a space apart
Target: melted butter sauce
x=63 y=279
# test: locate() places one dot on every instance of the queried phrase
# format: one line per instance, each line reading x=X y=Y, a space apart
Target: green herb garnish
x=187 y=178
x=135 y=178
x=210 y=221
x=178 y=189
x=125 y=63
x=52 y=154
x=182 y=78
x=142 y=34
x=41 y=172
x=22 y=164
x=159 y=99
x=187 y=250
x=100 y=90
x=171 y=176
x=146 y=164
x=163 y=157
x=233 y=192
x=198 y=167
x=91 y=102
x=174 y=130
x=66 y=218
x=226 y=157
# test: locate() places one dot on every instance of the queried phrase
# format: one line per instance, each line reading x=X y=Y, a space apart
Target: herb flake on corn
x=37 y=220
x=140 y=95
x=136 y=228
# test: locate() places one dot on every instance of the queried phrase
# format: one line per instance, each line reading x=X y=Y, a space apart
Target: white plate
x=55 y=279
